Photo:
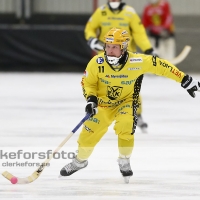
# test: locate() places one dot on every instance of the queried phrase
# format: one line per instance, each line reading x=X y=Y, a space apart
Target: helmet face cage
x=117 y=36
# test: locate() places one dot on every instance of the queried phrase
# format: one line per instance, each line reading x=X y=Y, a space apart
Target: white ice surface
x=38 y=110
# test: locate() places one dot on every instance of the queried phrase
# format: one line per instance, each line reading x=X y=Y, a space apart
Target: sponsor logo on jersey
x=134 y=68
x=123 y=24
x=109 y=103
x=125 y=106
x=127 y=82
x=106 y=24
x=104 y=81
x=88 y=129
x=115 y=18
x=176 y=72
x=117 y=76
x=95 y=120
x=136 y=60
x=114 y=92
x=165 y=64
x=100 y=60
x=123 y=113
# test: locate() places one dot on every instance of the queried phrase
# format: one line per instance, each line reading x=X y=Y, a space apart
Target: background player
x=158 y=21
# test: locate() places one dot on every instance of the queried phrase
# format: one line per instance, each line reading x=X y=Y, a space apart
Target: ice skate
x=143 y=125
x=125 y=168
x=73 y=167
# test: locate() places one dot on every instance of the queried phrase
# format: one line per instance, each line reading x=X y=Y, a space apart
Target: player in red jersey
x=158 y=21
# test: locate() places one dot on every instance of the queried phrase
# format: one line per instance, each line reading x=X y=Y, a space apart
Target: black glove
x=95 y=44
x=91 y=107
x=150 y=52
x=190 y=84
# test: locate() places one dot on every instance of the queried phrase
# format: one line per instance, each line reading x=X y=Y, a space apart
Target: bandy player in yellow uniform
x=117 y=14
x=111 y=86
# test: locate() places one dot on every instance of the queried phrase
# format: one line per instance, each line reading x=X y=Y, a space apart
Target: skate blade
x=126 y=179
x=59 y=177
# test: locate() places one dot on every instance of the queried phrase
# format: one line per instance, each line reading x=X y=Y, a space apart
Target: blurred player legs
x=164 y=47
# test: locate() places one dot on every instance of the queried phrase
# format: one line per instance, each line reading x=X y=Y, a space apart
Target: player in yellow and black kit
x=111 y=85
x=117 y=14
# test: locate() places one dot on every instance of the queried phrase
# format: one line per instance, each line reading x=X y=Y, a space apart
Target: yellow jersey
x=114 y=87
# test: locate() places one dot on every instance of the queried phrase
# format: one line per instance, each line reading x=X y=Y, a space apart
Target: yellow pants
x=94 y=129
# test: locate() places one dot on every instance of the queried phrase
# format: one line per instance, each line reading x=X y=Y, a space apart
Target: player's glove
x=95 y=44
x=150 y=52
x=190 y=84
x=91 y=107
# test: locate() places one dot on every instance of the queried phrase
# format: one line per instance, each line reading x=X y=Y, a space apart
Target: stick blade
x=186 y=50
x=27 y=180
x=7 y=175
